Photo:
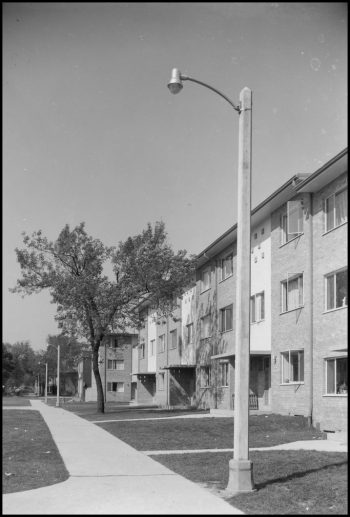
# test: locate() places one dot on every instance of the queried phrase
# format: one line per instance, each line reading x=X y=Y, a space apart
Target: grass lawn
x=210 y=433
x=30 y=456
x=287 y=482
x=15 y=401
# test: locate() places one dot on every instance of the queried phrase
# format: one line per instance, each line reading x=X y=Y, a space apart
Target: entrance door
x=267 y=381
x=133 y=390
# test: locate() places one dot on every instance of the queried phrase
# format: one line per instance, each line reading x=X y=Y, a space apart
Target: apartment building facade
x=298 y=333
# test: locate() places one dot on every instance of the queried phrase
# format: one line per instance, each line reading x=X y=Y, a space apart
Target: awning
x=226 y=355
x=170 y=366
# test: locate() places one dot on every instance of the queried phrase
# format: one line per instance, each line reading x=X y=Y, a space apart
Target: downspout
x=311 y=320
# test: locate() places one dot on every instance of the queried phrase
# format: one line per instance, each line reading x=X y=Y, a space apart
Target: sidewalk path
x=107 y=476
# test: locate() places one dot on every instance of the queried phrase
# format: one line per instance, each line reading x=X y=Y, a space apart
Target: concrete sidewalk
x=107 y=476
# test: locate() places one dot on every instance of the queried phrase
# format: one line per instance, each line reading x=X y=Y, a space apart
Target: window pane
x=330 y=292
x=330 y=213
x=294 y=360
x=330 y=376
x=342 y=375
x=295 y=217
x=284 y=297
x=301 y=366
x=284 y=220
x=262 y=306
x=228 y=318
x=342 y=288
x=252 y=309
x=293 y=294
x=285 y=367
x=341 y=207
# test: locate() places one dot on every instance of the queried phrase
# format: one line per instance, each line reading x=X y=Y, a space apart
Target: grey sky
x=91 y=133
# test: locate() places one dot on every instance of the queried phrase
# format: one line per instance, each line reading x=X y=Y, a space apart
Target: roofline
x=292 y=180
x=319 y=171
x=298 y=181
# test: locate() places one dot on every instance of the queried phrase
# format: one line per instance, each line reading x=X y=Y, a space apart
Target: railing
x=253 y=401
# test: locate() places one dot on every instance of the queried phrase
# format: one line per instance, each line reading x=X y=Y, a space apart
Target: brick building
x=298 y=334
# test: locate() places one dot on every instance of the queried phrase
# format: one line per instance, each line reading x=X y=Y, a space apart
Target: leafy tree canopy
x=89 y=303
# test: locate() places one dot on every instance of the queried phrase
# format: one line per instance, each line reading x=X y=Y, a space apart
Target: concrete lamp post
x=58 y=374
x=240 y=467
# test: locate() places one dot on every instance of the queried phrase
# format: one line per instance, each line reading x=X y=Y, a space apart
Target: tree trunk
x=100 y=394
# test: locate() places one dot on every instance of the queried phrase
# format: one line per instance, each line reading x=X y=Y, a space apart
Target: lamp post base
x=240 y=477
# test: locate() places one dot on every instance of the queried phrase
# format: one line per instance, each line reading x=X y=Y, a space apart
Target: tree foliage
x=89 y=303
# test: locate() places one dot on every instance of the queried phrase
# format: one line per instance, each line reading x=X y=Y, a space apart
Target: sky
x=91 y=132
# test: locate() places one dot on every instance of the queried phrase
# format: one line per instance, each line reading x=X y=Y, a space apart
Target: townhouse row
x=298 y=331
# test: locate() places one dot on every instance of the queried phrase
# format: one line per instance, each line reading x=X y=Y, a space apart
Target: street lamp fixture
x=240 y=467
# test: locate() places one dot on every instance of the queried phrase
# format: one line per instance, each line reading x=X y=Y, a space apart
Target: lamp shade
x=175 y=84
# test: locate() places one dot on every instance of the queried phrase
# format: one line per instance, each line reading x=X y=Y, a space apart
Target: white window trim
x=325 y=211
x=294 y=277
x=325 y=394
x=222 y=310
x=296 y=235
x=204 y=288
x=171 y=347
x=222 y=278
x=163 y=343
x=282 y=366
x=326 y=292
x=210 y=326
x=257 y=320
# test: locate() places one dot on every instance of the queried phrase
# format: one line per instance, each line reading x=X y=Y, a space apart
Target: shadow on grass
x=297 y=475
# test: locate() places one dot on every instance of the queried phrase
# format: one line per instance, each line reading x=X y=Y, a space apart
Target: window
x=161 y=344
x=114 y=342
x=257 y=307
x=292 y=293
x=205 y=376
x=142 y=350
x=226 y=267
x=115 y=364
x=152 y=347
x=161 y=381
x=205 y=280
x=337 y=376
x=224 y=374
x=292 y=366
x=292 y=221
x=189 y=334
x=115 y=386
x=173 y=339
x=205 y=326
x=226 y=318
x=336 y=209
x=336 y=290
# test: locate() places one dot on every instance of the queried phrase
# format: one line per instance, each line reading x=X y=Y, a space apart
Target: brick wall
x=330 y=328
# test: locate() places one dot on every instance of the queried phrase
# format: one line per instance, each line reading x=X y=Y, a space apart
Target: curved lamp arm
x=175 y=86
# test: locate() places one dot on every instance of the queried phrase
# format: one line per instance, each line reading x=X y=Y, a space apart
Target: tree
x=8 y=364
x=24 y=363
x=89 y=303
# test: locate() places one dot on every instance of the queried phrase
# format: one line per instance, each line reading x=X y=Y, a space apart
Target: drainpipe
x=311 y=319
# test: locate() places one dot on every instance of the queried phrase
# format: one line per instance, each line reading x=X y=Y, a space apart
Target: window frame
x=254 y=307
x=206 y=317
x=285 y=236
x=224 y=374
x=333 y=196
x=171 y=344
x=207 y=377
x=152 y=347
x=223 y=320
x=326 y=277
x=289 y=352
x=224 y=259
x=326 y=361
x=284 y=295
x=161 y=344
x=205 y=287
